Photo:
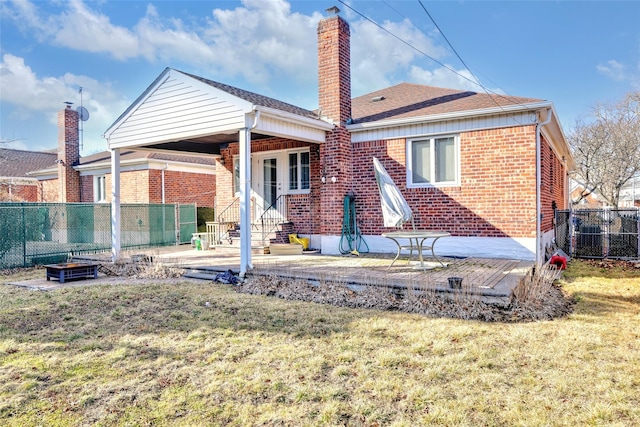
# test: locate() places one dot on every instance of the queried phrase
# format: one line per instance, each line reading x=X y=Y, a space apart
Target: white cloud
x=377 y=56
x=83 y=29
x=445 y=77
x=263 y=42
x=36 y=97
x=21 y=86
x=613 y=69
x=264 y=39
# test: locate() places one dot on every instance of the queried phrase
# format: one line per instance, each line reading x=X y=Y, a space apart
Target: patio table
x=416 y=240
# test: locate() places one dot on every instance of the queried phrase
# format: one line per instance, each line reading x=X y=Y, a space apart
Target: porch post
x=245 y=200
x=115 y=204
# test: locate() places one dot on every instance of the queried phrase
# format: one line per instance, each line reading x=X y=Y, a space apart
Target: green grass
x=156 y=354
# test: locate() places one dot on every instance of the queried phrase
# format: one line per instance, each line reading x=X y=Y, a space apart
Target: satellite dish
x=83 y=113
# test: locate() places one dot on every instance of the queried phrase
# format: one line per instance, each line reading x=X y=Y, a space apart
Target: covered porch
x=188 y=115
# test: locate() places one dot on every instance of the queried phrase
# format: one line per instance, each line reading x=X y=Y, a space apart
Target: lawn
x=200 y=354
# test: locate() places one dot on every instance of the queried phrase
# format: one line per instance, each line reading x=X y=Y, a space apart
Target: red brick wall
x=334 y=68
x=86 y=189
x=334 y=97
x=337 y=160
x=145 y=186
x=69 y=154
x=496 y=197
x=182 y=187
x=134 y=186
x=50 y=191
x=19 y=192
x=224 y=179
x=553 y=187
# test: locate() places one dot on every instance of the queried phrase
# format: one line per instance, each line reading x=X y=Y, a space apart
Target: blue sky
x=572 y=53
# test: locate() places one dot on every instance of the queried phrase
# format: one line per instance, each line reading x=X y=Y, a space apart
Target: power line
x=474 y=81
x=407 y=43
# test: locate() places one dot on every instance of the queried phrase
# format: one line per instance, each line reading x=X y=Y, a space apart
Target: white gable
x=180 y=107
x=177 y=107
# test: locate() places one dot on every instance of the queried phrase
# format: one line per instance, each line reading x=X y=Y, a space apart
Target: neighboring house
x=487 y=168
x=630 y=193
x=15 y=183
x=592 y=201
x=63 y=176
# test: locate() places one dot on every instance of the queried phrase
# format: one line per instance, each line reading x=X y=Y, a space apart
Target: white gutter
x=448 y=116
x=538 y=178
x=294 y=118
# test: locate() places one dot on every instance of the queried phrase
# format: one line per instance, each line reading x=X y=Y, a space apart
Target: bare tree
x=606 y=147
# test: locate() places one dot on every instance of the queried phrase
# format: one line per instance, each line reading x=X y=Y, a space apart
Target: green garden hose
x=351 y=241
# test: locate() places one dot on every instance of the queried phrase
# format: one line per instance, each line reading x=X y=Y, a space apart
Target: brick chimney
x=68 y=155
x=334 y=96
x=334 y=67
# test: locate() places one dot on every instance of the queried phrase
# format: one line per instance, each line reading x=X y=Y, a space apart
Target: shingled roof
x=125 y=155
x=407 y=100
x=17 y=163
x=256 y=99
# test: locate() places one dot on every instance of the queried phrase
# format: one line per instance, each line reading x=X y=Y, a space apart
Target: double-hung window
x=433 y=162
x=299 y=171
x=99 y=188
x=236 y=175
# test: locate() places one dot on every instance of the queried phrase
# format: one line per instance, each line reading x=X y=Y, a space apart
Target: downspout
x=166 y=165
x=255 y=119
x=538 y=179
x=115 y=203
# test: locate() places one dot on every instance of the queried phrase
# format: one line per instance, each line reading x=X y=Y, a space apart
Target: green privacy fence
x=42 y=233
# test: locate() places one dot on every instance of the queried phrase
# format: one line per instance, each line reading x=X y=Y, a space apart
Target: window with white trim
x=236 y=175
x=433 y=162
x=299 y=171
x=99 y=188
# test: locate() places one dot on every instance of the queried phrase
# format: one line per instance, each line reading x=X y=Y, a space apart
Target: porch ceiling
x=208 y=145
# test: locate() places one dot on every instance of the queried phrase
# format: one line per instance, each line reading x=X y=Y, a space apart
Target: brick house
x=63 y=176
x=485 y=168
x=16 y=184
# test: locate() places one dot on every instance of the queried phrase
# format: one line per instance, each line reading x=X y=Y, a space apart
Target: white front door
x=269 y=186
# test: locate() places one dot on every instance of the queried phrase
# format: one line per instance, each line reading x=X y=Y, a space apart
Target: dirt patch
x=612 y=264
x=144 y=269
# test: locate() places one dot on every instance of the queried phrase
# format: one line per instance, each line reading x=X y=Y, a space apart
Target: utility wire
x=407 y=43
x=491 y=94
x=453 y=49
x=474 y=81
x=448 y=42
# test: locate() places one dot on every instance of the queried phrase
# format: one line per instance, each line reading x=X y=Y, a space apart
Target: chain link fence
x=599 y=233
x=45 y=233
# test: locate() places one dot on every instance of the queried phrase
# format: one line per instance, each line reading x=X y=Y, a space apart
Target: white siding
x=482 y=247
x=277 y=127
x=444 y=126
x=177 y=109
